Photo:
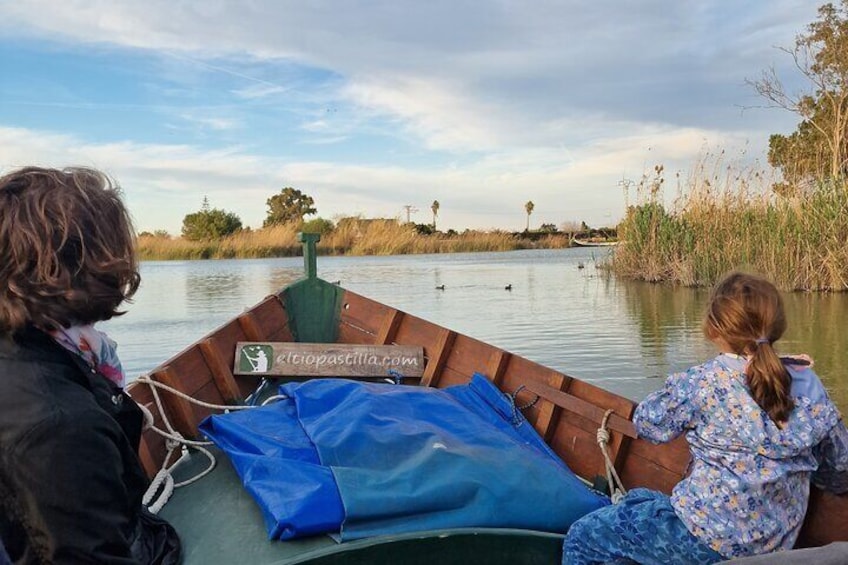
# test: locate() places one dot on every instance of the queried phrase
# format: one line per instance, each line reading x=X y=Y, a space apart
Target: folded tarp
x=366 y=459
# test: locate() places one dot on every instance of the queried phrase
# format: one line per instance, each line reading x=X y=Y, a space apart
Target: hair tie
x=761 y=340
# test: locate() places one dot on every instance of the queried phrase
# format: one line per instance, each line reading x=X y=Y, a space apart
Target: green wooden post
x=310 y=255
x=312 y=304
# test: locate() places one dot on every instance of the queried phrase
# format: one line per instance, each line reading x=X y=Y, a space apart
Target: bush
x=318 y=225
x=210 y=224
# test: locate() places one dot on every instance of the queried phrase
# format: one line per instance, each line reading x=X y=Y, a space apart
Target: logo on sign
x=255 y=358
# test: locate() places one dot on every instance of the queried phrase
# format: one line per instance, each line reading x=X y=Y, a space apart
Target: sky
x=370 y=106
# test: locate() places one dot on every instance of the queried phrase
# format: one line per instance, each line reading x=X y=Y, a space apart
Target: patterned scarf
x=95 y=347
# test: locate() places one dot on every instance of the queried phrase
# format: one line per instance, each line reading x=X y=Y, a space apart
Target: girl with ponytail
x=760 y=429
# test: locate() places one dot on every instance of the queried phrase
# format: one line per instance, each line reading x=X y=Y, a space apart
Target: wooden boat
x=593 y=242
x=219 y=522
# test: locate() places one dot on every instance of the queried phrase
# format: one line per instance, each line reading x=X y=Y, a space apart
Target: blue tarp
x=365 y=459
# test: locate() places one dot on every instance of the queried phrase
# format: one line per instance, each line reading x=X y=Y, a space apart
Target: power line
x=410 y=209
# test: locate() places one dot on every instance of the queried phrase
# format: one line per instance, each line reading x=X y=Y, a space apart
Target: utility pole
x=625 y=185
x=410 y=209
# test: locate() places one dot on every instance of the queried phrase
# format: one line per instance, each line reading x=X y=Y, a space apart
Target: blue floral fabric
x=749 y=482
x=641 y=528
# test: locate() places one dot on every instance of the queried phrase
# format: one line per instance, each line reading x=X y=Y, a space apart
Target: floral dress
x=749 y=482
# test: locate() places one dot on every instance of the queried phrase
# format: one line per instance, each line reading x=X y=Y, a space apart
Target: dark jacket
x=70 y=480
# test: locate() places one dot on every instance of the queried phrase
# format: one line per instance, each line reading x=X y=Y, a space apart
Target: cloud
x=163 y=183
x=255 y=91
x=481 y=105
x=439 y=116
x=214 y=123
x=506 y=59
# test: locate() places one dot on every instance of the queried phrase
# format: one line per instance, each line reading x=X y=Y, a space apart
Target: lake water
x=621 y=335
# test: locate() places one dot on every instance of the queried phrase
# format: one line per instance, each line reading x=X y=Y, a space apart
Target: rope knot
x=175 y=442
x=148 y=417
x=617 y=490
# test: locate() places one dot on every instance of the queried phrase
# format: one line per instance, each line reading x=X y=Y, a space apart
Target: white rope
x=274 y=398
x=162 y=479
x=617 y=490
x=163 y=482
x=156 y=384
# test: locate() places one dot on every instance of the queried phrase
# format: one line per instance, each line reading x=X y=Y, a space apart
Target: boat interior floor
x=219 y=522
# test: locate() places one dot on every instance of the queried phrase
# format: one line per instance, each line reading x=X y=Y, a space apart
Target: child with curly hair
x=69 y=434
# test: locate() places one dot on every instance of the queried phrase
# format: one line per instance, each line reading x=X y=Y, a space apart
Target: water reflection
x=669 y=321
x=623 y=336
x=282 y=276
x=817 y=325
x=214 y=291
x=669 y=324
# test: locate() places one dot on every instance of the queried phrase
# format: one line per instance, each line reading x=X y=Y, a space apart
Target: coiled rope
x=163 y=481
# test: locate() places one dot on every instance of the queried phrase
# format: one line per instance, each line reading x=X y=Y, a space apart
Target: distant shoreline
x=387 y=238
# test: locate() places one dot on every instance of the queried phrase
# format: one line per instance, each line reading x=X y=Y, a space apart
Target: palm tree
x=435 y=208
x=529 y=209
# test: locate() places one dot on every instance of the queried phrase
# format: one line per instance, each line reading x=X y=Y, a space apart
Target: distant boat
x=594 y=242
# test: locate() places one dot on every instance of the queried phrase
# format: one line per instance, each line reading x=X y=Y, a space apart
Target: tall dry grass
x=725 y=219
x=350 y=237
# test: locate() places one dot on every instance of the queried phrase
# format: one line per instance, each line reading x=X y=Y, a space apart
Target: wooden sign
x=293 y=359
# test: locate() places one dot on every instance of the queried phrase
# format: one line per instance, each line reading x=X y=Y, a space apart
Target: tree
x=435 y=208
x=291 y=205
x=819 y=147
x=529 y=209
x=317 y=225
x=423 y=229
x=161 y=234
x=209 y=223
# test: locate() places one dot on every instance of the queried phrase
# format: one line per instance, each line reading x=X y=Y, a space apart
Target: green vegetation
x=351 y=236
x=209 y=224
x=726 y=220
x=291 y=205
x=819 y=146
x=318 y=225
x=792 y=231
x=217 y=234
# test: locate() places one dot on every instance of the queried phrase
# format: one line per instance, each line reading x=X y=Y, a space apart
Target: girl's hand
x=799 y=360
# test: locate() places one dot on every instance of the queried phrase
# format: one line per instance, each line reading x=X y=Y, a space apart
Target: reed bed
x=349 y=237
x=724 y=220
